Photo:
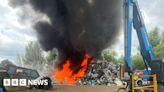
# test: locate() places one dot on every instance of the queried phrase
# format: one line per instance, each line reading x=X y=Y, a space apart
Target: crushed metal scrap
x=101 y=73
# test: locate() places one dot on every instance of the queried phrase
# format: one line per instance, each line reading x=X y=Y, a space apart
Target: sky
x=15 y=35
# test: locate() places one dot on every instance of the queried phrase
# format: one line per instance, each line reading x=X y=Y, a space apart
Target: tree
x=138 y=62
x=33 y=55
x=121 y=59
x=19 y=60
x=52 y=56
x=162 y=37
x=154 y=37
x=158 y=46
x=109 y=55
x=157 y=42
x=159 y=51
x=36 y=58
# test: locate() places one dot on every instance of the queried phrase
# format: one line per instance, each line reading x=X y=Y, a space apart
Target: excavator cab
x=158 y=69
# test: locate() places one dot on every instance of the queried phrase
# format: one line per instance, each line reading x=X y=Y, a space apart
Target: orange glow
x=66 y=76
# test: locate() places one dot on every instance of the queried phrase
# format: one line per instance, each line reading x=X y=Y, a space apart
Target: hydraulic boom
x=133 y=19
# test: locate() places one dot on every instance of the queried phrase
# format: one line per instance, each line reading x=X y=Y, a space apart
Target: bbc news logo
x=24 y=82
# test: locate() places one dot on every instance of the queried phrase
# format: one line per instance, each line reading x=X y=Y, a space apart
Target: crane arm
x=133 y=19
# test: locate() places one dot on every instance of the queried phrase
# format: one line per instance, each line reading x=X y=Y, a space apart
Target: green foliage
x=154 y=37
x=121 y=59
x=35 y=58
x=109 y=55
x=138 y=62
x=33 y=54
x=162 y=37
x=51 y=56
x=159 y=51
x=157 y=41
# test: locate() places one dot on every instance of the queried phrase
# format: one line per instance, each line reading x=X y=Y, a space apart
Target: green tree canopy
x=162 y=40
x=52 y=56
x=157 y=41
x=109 y=55
x=35 y=58
x=121 y=59
x=154 y=37
x=159 y=51
x=33 y=54
x=138 y=62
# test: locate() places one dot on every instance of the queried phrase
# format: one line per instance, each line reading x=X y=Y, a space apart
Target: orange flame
x=66 y=75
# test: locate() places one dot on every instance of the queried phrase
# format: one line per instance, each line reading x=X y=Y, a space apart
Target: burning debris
x=67 y=75
x=76 y=28
x=101 y=73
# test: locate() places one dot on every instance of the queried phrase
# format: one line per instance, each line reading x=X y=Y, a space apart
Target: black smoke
x=76 y=26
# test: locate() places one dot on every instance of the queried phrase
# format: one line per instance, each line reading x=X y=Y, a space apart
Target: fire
x=67 y=76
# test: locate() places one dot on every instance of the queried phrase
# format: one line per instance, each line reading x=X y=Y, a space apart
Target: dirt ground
x=62 y=88
x=86 y=89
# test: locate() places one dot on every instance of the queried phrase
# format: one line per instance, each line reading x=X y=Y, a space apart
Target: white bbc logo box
x=23 y=82
x=14 y=82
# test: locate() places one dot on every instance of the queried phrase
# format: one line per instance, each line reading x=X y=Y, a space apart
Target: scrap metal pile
x=101 y=73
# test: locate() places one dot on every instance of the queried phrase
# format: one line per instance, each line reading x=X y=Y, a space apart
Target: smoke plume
x=76 y=26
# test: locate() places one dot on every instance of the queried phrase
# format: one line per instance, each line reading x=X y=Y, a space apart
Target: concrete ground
x=62 y=88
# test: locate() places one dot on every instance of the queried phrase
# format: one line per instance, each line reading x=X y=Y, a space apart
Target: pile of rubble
x=101 y=73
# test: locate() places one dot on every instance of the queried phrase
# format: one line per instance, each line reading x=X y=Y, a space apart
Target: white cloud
x=4 y=3
x=152 y=11
x=14 y=36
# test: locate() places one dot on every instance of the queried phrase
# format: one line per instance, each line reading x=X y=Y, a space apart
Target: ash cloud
x=76 y=25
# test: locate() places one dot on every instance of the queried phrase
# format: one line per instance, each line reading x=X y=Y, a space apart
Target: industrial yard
x=81 y=46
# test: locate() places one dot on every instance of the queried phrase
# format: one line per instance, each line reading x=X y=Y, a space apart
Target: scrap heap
x=101 y=73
